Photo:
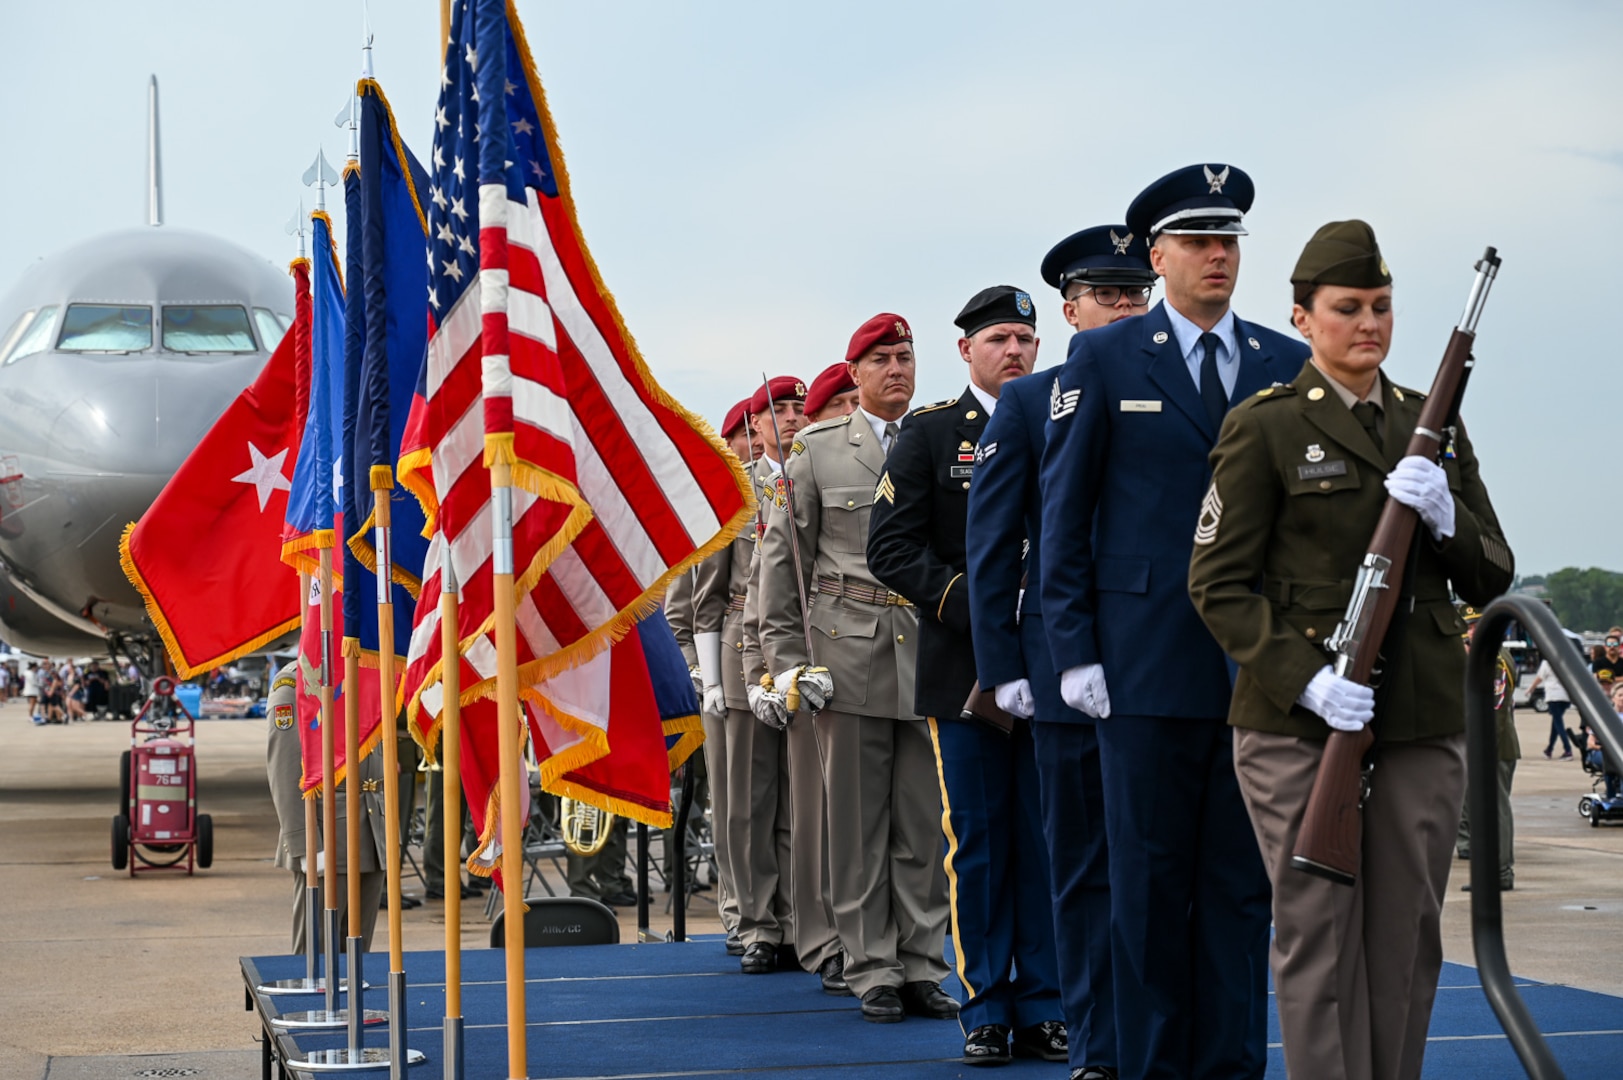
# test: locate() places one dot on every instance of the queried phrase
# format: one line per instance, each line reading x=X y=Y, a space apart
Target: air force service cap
x=1104 y=255
x=1193 y=201
x=883 y=329
x=998 y=304
x=783 y=388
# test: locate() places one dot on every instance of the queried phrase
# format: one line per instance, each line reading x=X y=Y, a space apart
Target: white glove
x=805 y=687
x=1344 y=704
x=715 y=702
x=697 y=675
x=1015 y=698
x=1083 y=688
x=768 y=707
x=1422 y=485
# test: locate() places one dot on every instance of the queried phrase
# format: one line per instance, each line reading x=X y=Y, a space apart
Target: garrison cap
x=883 y=329
x=835 y=380
x=1193 y=201
x=784 y=388
x=735 y=420
x=1342 y=253
x=998 y=304
x=1104 y=255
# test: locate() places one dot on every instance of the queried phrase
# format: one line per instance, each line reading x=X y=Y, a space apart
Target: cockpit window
x=270 y=328
x=31 y=333
x=211 y=328
x=106 y=328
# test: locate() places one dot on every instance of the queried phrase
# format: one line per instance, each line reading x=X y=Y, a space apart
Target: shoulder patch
x=282 y=716
x=797 y=447
x=825 y=425
x=284 y=680
x=934 y=406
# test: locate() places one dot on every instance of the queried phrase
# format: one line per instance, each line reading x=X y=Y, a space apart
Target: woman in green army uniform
x=1299 y=477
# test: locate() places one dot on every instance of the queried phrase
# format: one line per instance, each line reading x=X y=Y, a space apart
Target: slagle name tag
x=1321 y=470
x=1140 y=406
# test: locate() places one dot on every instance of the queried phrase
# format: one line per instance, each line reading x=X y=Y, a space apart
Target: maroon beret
x=784 y=388
x=882 y=329
x=835 y=380
x=735 y=419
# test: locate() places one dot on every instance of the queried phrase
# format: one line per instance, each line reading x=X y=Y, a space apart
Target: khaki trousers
x=884 y=844
x=1355 y=968
x=715 y=766
x=756 y=825
x=815 y=938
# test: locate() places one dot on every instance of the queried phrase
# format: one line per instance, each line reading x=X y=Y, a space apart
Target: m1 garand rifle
x=1330 y=842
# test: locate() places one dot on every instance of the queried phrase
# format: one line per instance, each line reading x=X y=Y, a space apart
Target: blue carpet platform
x=683 y=1010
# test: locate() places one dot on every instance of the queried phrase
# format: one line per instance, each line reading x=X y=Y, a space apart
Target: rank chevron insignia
x=1217 y=180
x=1062 y=404
x=886 y=490
x=1211 y=512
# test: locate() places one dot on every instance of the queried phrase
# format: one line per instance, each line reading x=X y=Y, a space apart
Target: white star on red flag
x=266 y=474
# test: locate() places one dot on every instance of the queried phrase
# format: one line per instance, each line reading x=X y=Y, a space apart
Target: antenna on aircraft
x=295 y=225
x=320 y=174
x=154 y=163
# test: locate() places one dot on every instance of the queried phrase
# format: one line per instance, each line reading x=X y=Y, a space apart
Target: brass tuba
x=585 y=827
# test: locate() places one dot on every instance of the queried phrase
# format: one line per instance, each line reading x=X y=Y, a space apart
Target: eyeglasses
x=1110 y=295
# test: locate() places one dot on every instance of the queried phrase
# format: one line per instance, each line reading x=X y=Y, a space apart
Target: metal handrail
x=1482 y=761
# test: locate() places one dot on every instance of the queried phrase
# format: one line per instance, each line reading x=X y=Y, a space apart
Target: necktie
x=1211 y=385
x=891 y=431
x=1368 y=415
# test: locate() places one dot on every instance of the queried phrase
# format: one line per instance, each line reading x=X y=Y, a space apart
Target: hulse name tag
x=1140 y=406
x=1323 y=469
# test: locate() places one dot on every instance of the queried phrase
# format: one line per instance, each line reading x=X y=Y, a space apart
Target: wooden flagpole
x=382 y=478
x=515 y=781
x=329 y=794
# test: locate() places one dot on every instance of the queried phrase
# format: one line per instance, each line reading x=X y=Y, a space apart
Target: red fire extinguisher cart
x=158 y=826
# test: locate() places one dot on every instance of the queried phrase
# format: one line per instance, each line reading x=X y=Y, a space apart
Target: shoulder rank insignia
x=1211 y=512
x=797 y=447
x=283 y=717
x=1062 y=403
x=933 y=406
x=984 y=453
x=886 y=490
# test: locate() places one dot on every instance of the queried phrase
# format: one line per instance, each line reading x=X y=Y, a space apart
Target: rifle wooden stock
x=1330 y=843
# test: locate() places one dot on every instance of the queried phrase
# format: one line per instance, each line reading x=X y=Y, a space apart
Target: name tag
x=1323 y=469
x=961 y=471
x=1140 y=406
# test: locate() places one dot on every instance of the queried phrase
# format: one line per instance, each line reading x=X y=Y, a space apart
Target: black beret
x=998 y=304
x=1105 y=255
x=1195 y=200
x=1342 y=253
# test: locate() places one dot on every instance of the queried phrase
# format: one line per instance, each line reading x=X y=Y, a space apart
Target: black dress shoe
x=1094 y=1072
x=1046 y=1040
x=760 y=958
x=623 y=898
x=788 y=959
x=929 y=1000
x=987 y=1045
x=882 y=1005
x=832 y=972
x=735 y=947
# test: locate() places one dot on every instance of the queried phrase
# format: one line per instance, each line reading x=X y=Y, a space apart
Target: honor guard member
x=1132 y=417
x=884 y=806
x=736 y=433
x=832 y=394
x=285 y=767
x=1299 y=480
x=1103 y=278
x=751 y=754
x=996 y=861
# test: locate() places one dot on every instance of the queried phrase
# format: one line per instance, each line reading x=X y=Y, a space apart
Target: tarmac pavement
x=106 y=977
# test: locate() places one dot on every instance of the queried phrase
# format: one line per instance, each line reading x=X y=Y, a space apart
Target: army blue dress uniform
x=1123 y=475
x=996 y=860
x=1011 y=644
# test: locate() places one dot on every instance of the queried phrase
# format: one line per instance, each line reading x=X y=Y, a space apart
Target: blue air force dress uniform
x=1133 y=415
x=1011 y=644
x=996 y=861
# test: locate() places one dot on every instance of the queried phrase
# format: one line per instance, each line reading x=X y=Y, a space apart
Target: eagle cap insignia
x=1022 y=303
x=1315 y=453
x=1121 y=242
x=1216 y=180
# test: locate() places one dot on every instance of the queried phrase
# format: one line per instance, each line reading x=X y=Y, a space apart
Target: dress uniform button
x=901 y=637
x=966 y=485
x=1324 y=485
x=834 y=632
x=1316 y=393
x=1311 y=633
x=850 y=502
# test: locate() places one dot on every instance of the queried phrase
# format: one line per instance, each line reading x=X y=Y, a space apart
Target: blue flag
x=318 y=475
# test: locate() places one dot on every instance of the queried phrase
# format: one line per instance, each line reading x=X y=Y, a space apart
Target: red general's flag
x=206 y=556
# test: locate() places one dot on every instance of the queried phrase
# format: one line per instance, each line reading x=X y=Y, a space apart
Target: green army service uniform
x=886 y=883
x=750 y=772
x=1510 y=752
x=285 y=770
x=1297 y=487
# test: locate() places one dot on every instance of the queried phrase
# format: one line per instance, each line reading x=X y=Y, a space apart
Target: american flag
x=617 y=487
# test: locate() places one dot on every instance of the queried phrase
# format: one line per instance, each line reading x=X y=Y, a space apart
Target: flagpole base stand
x=305 y=986
x=371 y=1057
x=453 y=1048
x=317 y=1019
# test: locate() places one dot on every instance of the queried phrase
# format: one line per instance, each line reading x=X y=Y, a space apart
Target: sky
x=755 y=180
